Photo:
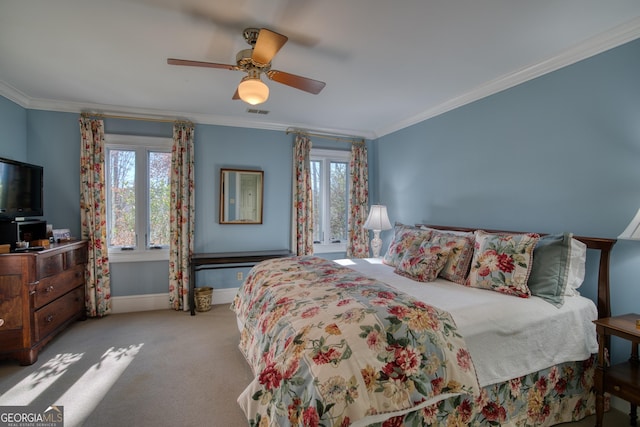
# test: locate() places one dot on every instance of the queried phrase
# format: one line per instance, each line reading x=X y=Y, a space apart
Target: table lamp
x=377 y=221
x=632 y=232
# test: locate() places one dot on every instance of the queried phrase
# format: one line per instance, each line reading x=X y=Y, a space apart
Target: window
x=138 y=171
x=330 y=185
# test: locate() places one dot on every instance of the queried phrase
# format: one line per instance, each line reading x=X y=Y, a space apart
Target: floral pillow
x=406 y=239
x=502 y=262
x=461 y=252
x=424 y=264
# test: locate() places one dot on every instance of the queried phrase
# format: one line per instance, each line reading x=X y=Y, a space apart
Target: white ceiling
x=387 y=64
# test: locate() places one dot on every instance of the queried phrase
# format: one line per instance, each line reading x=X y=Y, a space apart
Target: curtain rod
x=352 y=140
x=145 y=119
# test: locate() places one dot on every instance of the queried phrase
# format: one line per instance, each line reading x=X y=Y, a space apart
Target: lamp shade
x=378 y=218
x=632 y=232
x=253 y=91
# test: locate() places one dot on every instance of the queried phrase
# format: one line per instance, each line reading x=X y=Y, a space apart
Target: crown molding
x=13 y=94
x=613 y=38
x=210 y=119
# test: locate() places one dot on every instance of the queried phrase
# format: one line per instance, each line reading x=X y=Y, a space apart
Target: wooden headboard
x=597 y=243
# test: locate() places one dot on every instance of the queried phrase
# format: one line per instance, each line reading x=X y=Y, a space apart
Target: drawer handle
x=1 y=322
x=49 y=318
x=33 y=286
x=49 y=289
x=616 y=387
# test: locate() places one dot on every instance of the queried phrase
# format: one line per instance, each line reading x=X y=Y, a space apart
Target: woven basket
x=203 y=298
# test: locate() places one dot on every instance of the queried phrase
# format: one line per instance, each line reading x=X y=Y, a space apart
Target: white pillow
x=577 y=260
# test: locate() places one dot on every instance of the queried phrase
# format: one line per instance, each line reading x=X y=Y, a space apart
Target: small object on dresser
x=61 y=235
x=41 y=242
x=22 y=244
x=5 y=249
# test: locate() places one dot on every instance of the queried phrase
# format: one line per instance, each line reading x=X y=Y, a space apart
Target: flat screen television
x=21 y=194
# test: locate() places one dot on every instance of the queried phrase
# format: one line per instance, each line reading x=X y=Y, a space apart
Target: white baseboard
x=224 y=296
x=133 y=303
x=620 y=405
x=149 y=302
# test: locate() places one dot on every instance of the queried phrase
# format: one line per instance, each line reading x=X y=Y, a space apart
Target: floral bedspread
x=331 y=347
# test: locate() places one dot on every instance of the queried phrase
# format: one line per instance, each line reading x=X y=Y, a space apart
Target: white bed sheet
x=507 y=336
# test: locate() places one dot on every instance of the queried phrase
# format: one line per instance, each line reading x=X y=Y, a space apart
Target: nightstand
x=621 y=380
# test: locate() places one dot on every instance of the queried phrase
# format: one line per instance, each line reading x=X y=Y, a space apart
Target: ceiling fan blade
x=293 y=10
x=267 y=45
x=236 y=95
x=298 y=82
x=173 y=61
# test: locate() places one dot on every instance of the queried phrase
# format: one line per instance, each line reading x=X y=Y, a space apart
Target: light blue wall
x=558 y=153
x=54 y=143
x=536 y=154
x=238 y=148
x=13 y=130
x=139 y=278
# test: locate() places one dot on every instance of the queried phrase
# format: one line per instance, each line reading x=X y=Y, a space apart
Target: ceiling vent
x=257 y=111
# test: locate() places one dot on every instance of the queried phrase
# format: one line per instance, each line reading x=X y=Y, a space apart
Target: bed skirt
x=563 y=393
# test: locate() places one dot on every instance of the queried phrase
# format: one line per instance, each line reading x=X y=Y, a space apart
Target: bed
x=434 y=334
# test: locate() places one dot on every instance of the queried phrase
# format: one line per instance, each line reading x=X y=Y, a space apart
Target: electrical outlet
x=239 y=275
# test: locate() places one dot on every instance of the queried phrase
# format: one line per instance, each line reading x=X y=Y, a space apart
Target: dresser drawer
x=75 y=257
x=623 y=391
x=11 y=339
x=11 y=308
x=52 y=287
x=49 y=317
x=623 y=380
x=49 y=265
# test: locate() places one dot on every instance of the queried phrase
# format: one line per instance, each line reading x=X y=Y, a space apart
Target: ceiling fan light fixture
x=253 y=91
x=256 y=61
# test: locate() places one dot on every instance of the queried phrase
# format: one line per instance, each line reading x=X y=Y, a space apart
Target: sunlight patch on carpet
x=83 y=397
x=27 y=390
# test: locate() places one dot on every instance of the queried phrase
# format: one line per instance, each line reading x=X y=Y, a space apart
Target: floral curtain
x=302 y=214
x=182 y=208
x=358 y=243
x=93 y=217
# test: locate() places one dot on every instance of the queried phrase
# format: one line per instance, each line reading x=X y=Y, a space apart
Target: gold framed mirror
x=241 y=193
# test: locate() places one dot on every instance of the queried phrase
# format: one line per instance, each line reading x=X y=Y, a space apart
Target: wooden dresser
x=41 y=293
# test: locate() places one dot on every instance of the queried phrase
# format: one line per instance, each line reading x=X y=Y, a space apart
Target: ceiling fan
x=255 y=62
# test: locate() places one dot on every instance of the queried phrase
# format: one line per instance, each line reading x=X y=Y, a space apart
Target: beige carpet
x=155 y=368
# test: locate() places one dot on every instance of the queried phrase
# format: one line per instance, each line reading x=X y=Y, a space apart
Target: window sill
x=138 y=256
x=324 y=249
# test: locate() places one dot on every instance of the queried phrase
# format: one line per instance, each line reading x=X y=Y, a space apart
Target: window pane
x=316 y=186
x=159 y=192
x=338 y=196
x=122 y=215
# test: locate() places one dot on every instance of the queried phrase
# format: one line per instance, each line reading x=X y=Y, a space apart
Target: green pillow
x=550 y=270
